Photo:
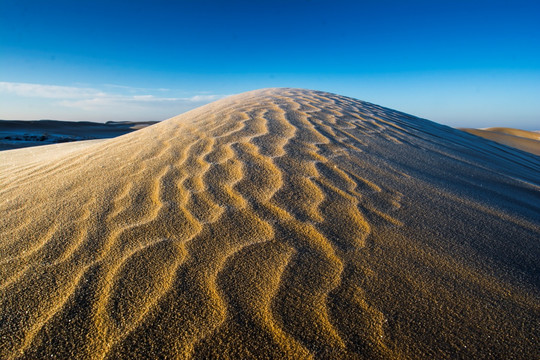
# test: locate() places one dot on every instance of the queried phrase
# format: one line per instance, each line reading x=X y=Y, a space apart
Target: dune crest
x=278 y=223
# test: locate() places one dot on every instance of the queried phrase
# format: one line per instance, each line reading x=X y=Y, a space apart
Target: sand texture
x=275 y=224
x=520 y=139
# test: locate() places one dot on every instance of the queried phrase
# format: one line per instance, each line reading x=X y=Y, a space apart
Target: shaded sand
x=15 y=134
x=520 y=139
x=278 y=223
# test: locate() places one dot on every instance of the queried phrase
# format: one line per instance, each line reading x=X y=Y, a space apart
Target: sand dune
x=516 y=132
x=520 y=139
x=279 y=223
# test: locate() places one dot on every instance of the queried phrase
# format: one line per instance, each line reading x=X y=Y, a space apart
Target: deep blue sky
x=462 y=63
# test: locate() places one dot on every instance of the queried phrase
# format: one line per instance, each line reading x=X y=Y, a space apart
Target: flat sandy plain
x=279 y=223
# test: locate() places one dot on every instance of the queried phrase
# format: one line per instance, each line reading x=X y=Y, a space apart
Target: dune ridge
x=278 y=223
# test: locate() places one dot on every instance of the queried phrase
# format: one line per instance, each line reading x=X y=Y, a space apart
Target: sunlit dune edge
x=520 y=139
x=278 y=223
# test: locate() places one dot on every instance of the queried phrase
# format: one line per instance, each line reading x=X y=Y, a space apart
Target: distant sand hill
x=279 y=223
x=520 y=139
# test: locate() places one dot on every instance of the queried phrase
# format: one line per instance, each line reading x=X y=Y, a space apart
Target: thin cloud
x=135 y=89
x=138 y=102
x=48 y=91
x=90 y=101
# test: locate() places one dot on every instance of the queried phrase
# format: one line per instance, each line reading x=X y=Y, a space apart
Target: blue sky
x=461 y=63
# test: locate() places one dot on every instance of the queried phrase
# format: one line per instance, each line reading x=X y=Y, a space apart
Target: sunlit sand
x=520 y=139
x=278 y=223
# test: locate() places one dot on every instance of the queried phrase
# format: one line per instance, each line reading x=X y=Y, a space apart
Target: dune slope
x=279 y=223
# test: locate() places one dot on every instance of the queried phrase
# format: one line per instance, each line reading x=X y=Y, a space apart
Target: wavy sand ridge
x=279 y=223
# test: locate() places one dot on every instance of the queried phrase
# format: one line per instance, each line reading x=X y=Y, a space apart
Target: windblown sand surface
x=278 y=223
x=520 y=139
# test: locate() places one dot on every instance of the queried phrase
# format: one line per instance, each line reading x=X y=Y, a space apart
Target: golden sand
x=279 y=223
x=520 y=139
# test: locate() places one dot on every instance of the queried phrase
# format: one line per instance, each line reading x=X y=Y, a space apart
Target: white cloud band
x=125 y=100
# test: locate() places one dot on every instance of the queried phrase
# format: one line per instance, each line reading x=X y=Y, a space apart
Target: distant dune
x=15 y=134
x=279 y=223
x=520 y=139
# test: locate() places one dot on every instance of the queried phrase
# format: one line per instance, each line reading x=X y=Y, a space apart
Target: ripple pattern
x=279 y=223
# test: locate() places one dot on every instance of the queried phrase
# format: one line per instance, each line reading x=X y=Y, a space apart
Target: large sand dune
x=278 y=223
